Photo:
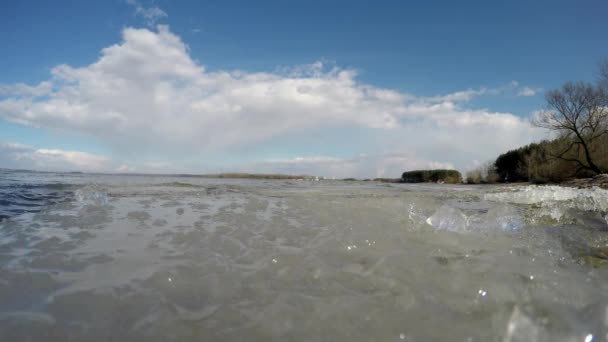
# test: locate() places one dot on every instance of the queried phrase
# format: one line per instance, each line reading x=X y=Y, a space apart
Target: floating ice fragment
x=583 y=199
x=448 y=218
x=89 y=196
x=503 y=217
x=415 y=214
x=589 y=338
x=521 y=328
x=402 y=336
x=553 y=210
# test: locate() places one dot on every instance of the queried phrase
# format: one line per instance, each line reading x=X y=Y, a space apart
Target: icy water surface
x=144 y=258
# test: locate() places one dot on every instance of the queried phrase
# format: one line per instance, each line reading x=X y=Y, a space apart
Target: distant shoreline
x=238 y=175
x=600 y=181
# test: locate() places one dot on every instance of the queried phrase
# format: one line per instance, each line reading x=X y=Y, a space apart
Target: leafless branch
x=578 y=111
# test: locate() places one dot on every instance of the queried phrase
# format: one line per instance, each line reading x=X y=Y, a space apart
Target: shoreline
x=599 y=181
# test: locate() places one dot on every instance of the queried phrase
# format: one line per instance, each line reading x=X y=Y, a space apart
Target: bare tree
x=579 y=113
x=603 y=74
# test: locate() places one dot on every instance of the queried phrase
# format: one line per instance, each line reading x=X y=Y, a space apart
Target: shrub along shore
x=432 y=176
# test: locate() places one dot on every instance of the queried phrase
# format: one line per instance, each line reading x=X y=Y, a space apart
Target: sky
x=329 y=88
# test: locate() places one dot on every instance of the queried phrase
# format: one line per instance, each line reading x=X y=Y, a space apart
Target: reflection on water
x=190 y=259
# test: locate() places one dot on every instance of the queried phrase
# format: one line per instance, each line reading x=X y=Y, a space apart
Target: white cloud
x=124 y=168
x=461 y=96
x=147 y=94
x=148 y=90
x=18 y=156
x=21 y=89
x=150 y=14
x=528 y=91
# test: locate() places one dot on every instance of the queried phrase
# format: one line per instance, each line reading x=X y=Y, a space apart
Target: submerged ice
x=497 y=218
x=187 y=259
x=448 y=218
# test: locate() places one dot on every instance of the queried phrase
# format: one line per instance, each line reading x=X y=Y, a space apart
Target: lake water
x=160 y=258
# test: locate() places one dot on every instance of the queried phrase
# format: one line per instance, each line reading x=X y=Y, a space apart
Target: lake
x=165 y=258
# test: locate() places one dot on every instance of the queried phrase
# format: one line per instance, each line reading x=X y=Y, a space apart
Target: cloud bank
x=148 y=94
x=18 y=156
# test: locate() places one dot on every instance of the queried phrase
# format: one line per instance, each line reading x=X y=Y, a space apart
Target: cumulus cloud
x=25 y=90
x=150 y=14
x=147 y=93
x=18 y=156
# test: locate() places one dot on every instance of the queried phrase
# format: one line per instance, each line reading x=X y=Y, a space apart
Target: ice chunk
x=521 y=328
x=415 y=214
x=583 y=199
x=552 y=210
x=448 y=218
x=503 y=217
x=91 y=196
x=555 y=203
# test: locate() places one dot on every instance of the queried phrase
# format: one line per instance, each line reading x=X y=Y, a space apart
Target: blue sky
x=496 y=59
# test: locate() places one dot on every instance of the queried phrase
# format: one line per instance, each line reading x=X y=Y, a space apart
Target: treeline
x=542 y=162
x=578 y=115
x=434 y=176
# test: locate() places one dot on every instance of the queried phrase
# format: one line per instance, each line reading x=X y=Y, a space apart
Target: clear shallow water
x=145 y=258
